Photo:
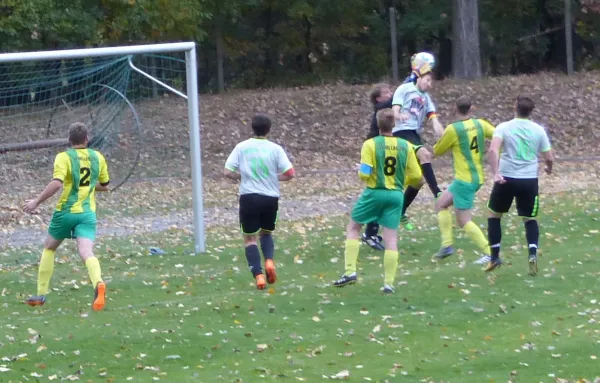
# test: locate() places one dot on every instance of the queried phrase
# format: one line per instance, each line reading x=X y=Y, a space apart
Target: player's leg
x=371 y=237
x=392 y=202
x=85 y=233
x=250 y=226
x=527 y=201
x=425 y=157
x=268 y=220
x=442 y=204
x=464 y=198
x=45 y=270
x=499 y=203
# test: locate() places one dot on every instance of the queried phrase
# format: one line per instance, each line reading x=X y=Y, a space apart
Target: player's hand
x=499 y=179
x=30 y=206
x=548 y=170
x=404 y=116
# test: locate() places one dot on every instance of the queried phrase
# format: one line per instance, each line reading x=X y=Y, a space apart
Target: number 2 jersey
x=389 y=163
x=466 y=138
x=79 y=170
x=259 y=162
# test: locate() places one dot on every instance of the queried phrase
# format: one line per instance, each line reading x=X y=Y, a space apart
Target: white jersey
x=522 y=141
x=259 y=162
x=415 y=103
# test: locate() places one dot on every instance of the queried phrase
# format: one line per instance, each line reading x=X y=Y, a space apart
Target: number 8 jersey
x=79 y=170
x=392 y=163
x=466 y=138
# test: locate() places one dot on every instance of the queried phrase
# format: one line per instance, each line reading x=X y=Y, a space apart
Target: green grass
x=180 y=318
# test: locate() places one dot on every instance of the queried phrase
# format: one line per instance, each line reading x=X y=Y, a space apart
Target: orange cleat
x=99 y=295
x=270 y=269
x=261 y=284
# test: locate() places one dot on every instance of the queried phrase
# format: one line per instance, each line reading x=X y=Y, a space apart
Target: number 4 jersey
x=79 y=170
x=466 y=138
x=522 y=141
x=259 y=162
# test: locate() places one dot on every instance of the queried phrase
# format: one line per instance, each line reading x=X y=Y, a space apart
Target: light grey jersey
x=259 y=162
x=522 y=141
x=413 y=102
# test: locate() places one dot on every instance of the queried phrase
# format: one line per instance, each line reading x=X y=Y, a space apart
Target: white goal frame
x=192 y=97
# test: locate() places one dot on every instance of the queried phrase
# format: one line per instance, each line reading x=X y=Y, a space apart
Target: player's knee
x=249 y=240
x=424 y=156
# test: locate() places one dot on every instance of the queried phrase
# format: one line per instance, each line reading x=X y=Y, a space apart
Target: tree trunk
x=220 y=53
x=466 y=56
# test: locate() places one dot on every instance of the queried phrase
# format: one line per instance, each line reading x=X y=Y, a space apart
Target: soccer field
x=180 y=318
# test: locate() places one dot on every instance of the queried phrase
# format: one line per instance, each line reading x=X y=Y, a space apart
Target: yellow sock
x=445 y=223
x=390 y=265
x=477 y=237
x=93 y=267
x=45 y=271
x=351 y=255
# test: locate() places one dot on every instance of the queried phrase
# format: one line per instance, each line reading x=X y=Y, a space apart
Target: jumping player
x=515 y=173
x=381 y=98
x=386 y=164
x=80 y=172
x=260 y=164
x=466 y=138
x=411 y=104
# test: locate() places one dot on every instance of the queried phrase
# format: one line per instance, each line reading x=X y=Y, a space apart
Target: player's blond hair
x=78 y=133
x=385 y=120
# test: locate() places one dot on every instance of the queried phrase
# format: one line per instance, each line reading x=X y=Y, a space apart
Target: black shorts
x=411 y=136
x=258 y=212
x=523 y=190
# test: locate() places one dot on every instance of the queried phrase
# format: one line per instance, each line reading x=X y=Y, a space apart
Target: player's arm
x=397 y=102
x=413 y=173
x=103 y=177
x=285 y=167
x=547 y=153
x=232 y=165
x=367 y=160
x=494 y=154
x=433 y=117
x=445 y=142
x=488 y=128
x=61 y=166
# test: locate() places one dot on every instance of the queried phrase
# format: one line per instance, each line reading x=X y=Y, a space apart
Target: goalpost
x=99 y=97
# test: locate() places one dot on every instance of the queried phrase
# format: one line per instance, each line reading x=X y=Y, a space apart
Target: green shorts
x=72 y=225
x=379 y=205
x=463 y=194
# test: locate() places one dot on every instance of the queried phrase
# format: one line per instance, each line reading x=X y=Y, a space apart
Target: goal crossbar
x=192 y=97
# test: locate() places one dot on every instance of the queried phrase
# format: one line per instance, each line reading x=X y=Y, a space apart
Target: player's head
x=463 y=105
x=261 y=125
x=386 y=121
x=425 y=81
x=524 y=106
x=78 y=134
x=380 y=93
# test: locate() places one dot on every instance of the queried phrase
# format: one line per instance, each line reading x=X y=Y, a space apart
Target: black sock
x=267 y=246
x=494 y=236
x=532 y=233
x=409 y=196
x=430 y=178
x=372 y=229
x=253 y=257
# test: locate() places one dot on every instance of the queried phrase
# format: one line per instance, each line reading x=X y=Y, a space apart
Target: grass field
x=180 y=318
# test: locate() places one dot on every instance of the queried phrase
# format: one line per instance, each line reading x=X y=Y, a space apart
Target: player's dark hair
x=386 y=120
x=261 y=125
x=376 y=92
x=463 y=105
x=525 y=106
x=78 y=133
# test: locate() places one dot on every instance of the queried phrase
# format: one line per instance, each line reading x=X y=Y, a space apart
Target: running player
x=386 y=164
x=515 y=173
x=80 y=172
x=381 y=98
x=411 y=104
x=260 y=164
x=466 y=138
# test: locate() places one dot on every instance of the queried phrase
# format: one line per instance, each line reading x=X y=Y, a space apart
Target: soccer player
x=466 y=138
x=381 y=98
x=411 y=104
x=260 y=164
x=80 y=172
x=515 y=173
x=386 y=164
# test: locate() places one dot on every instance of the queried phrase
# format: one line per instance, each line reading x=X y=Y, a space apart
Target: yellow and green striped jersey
x=79 y=170
x=389 y=163
x=466 y=138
